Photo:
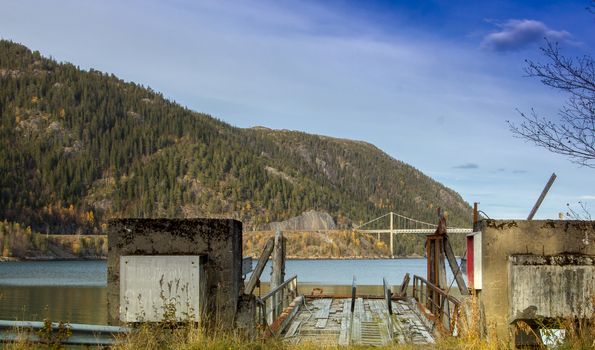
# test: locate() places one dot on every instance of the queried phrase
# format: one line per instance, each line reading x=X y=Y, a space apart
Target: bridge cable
x=371 y=221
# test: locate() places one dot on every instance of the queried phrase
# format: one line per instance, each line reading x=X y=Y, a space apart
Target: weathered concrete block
x=246 y=317
x=555 y=286
x=504 y=238
x=219 y=241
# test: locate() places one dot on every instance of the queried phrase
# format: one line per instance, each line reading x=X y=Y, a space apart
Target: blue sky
x=430 y=83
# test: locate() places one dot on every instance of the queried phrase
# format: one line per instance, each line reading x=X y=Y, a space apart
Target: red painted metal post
x=470 y=262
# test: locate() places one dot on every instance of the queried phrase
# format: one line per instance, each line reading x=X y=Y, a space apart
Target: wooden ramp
x=329 y=321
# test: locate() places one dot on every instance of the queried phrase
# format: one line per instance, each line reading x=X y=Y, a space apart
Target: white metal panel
x=154 y=288
x=477 y=260
x=477 y=264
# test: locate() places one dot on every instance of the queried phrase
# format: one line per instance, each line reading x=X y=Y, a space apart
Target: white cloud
x=516 y=34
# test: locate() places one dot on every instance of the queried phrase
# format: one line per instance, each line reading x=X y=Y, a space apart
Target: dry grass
x=474 y=335
x=192 y=337
x=578 y=334
x=189 y=337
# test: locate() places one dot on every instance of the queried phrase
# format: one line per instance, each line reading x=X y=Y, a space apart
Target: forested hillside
x=78 y=147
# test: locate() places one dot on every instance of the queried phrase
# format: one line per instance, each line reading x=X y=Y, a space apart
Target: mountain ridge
x=79 y=147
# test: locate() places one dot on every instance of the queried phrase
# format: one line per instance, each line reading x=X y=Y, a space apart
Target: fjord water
x=69 y=291
x=75 y=291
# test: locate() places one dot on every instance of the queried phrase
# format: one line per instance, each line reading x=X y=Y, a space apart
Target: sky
x=431 y=83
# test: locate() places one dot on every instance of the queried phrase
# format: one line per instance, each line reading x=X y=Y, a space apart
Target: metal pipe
x=542 y=196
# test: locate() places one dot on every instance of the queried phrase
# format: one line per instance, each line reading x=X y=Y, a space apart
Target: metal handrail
x=80 y=334
x=443 y=306
x=271 y=305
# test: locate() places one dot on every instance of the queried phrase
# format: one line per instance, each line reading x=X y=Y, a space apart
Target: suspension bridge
x=400 y=224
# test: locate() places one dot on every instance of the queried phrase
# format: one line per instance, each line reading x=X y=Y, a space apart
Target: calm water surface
x=75 y=291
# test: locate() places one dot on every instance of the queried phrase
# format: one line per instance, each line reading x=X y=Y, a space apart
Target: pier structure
x=369 y=320
x=330 y=321
x=522 y=273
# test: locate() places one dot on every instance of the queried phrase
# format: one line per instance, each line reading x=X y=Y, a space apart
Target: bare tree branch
x=582 y=213
x=572 y=134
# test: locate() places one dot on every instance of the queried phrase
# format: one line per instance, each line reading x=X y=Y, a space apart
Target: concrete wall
x=551 y=286
x=503 y=239
x=219 y=240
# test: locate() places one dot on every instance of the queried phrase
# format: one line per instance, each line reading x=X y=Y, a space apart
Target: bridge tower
x=392 y=234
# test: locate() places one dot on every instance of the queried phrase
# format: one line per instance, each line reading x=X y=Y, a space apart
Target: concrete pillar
x=219 y=242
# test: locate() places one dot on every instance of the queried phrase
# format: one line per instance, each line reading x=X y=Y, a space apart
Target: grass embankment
x=193 y=338
x=187 y=338
x=579 y=336
x=190 y=338
x=473 y=335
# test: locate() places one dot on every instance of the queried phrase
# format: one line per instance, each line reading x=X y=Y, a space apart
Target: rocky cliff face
x=309 y=221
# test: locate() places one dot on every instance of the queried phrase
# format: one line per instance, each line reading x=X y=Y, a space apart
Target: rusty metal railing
x=440 y=307
x=270 y=306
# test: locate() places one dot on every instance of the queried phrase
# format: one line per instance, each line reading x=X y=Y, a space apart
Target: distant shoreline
x=352 y=258
x=99 y=258
x=29 y=259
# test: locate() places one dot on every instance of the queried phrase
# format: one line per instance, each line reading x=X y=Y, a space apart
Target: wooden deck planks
x=293 y=328
x=321 y=323
x=356 y=330
x=330 y=322
x=323 y=313
x=325 y=308
x=347 y=308
x=344 y=333
x=359 y=308
x=413 y=329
